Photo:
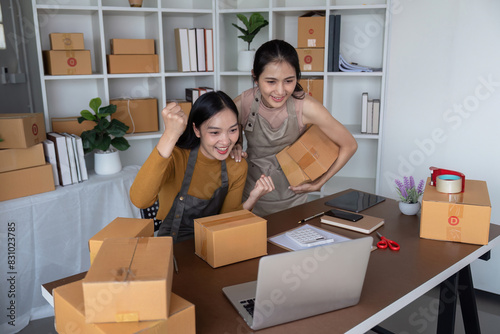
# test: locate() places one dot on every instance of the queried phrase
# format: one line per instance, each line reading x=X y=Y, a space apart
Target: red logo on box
x=72 y=62
x=34 y=129
x=453 y=220
x=308 y=59
x=311 y=31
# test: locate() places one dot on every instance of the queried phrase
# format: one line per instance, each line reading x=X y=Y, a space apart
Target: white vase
x=107 y=163
x=409 y=208
x=245 y=60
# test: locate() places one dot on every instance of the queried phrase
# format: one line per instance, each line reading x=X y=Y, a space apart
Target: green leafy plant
x=105 y=134
x=252 y=25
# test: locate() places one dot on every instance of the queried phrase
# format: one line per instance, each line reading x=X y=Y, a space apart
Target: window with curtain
x=2 y=34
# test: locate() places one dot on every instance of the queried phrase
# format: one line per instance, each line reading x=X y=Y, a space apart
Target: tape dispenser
x=450 y=181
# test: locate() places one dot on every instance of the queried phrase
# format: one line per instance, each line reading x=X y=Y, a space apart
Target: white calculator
x=307 y=237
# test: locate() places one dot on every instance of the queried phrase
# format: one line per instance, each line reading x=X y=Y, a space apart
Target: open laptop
x=303 y=283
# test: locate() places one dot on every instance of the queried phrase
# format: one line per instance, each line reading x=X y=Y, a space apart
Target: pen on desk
x=309 y=218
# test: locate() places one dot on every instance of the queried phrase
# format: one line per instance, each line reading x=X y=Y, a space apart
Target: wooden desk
x=393 y=279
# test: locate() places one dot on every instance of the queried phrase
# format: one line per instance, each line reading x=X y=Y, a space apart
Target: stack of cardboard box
x=128 y=286
x=311 y=42
x=132 y=56
x=67 y=55
x=23 y=170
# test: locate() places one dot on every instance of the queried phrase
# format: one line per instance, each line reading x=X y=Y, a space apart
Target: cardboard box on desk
x=70 y=125
x=66 y=41
x=74 y=62
x=132 y=46
x=133 y=276
x=70 y=316
x=141 y=115
x=230 y=237
x=122 y=64
x=462 y=217
x=26 y=182
x=19 y=158
x=308 y=157
x=22 y=130
x=311 y=60
x=311 y=30
x=121 y=228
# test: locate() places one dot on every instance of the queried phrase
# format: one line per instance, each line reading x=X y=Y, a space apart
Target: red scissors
x=384 y=243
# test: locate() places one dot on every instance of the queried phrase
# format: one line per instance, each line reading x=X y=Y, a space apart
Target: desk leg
x=460 y=286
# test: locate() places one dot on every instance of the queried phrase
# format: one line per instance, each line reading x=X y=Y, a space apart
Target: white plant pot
x=245 y=60
x=107 y=163
x=409 y=209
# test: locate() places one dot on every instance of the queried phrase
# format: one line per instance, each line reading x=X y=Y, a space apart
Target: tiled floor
x=418 y=317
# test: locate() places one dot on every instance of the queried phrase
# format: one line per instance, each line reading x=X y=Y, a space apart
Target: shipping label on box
x=67 y=62
x=135 y=281
x=132 y=46
x=230 y=237
x=311 y=30
x=19 y=158
x=71 y=125
x=311 y=60
x=26 y=182
x=66 y=41
x=140 y=115
x=69 y=311
x=22 y=130
x=121 y=64
x=313 y=87
x=121 y=228
x=462 y=217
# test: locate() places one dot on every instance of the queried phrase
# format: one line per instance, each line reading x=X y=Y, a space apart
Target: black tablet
x=355 y=201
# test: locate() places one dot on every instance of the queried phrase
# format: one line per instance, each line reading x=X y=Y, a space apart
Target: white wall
x=443 y=100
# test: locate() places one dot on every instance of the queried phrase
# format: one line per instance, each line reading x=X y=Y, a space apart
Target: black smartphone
x=353 y=217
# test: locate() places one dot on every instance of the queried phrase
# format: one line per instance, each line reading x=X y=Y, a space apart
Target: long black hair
x=204 y=108
x=277 y=51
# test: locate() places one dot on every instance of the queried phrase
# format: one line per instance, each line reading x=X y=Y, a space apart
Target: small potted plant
x=252 y=27
x=409 y=195
x=105 y=139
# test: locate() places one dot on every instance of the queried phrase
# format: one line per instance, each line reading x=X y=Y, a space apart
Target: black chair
x=150 y=213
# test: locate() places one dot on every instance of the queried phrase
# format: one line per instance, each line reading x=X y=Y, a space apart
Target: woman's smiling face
x=277 y=83
x=218 y=134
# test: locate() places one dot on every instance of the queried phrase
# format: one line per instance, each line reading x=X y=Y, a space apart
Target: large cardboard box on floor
x=22 y=130
x=26 y=182
x=66 y=41
x=461 y=217
x=19 y=158
x=314 y=152
x=121 y=228
x=230 y=237
x=313 y=87
x=132 y=46
x=134 y=276
x=311 y=30
x=70 y=313
x=74 y=62
x=121 y=64
x=141 y=115
x=311 y=60
x=70 y=125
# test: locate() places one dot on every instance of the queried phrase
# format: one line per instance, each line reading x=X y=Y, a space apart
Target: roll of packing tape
x=449 y=184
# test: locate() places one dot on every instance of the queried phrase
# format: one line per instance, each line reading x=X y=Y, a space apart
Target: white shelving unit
x=364 y=39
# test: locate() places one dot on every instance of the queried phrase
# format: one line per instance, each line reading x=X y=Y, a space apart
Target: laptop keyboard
x=249 y=305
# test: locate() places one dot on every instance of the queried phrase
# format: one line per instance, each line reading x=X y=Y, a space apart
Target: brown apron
x=263 y=143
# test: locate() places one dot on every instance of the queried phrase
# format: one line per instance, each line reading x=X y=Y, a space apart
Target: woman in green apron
x=190 y=171
x=272 y=116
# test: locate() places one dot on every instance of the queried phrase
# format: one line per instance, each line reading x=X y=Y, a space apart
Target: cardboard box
x=67 y=62
x=66 y=41
x=26 y=182
x=22 y=130
x=313 y=153
x=313 y=87
x=132 y=46
x=141 y=115
x=462 y=217
x=70 y=125
x=230 y=237
x=119 y=64
x=311 y=60
x=19 y=158
x=121 y=228
x=133 y=278
x=185 y=105
x=70 y=312
x=311 y=30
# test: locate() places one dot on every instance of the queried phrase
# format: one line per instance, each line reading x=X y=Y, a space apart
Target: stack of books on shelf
x=192 y=94
x=370 y=114
x=65 y=152
x=345 y=66
x=195 y=49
